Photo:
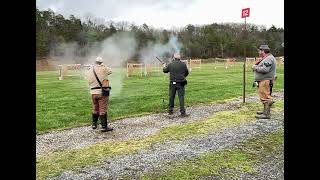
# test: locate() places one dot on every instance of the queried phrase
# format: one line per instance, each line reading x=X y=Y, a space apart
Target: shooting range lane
x=162 y=155
x=129 y=128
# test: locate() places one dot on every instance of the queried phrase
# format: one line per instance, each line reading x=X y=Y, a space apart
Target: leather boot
x=104 y=123
x=94 y=120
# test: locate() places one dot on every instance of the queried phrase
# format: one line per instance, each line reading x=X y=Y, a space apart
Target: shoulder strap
x=97 y=77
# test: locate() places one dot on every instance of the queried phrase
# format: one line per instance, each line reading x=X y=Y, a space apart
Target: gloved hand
x=164 y=65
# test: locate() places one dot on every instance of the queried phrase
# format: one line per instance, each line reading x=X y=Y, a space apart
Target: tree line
x=199 y=41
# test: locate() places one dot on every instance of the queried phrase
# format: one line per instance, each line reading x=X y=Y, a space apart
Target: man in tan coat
x=99 y=99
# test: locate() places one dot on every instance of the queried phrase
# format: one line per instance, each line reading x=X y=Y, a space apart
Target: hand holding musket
x=163 y=63
x=256 y=64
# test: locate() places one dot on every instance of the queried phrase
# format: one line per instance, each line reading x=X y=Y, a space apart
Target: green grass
x=227 y=163
x=67 y=103
x=56 y=162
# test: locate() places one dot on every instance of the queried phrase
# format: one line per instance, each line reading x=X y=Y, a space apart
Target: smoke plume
x=148 y=54
x=115 y=51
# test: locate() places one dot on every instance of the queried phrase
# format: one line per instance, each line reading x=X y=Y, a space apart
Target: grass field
x=67 y=103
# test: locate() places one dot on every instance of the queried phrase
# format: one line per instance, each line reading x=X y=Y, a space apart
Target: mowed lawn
x=67 y=103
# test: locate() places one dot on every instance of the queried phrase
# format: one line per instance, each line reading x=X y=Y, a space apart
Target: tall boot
x=268 y=108
x=104 y=123
x=94 y=120
x=266 y=112
x=261 y=112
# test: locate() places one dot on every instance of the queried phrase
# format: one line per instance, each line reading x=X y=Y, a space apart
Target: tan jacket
x=102 y=72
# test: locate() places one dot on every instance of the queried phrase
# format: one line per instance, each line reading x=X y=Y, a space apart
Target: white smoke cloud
x=64 y=52
x=173 y=41
x=118 y=49
x=115 y=51
x=148 y=54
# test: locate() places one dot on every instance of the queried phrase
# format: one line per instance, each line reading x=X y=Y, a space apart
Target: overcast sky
x=171 y=13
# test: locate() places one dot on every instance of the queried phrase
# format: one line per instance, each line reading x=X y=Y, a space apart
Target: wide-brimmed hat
x=99 y=59
x=264 y=47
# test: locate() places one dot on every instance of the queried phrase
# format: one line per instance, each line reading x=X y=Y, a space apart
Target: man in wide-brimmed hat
x=100 y=100
x=264 y=74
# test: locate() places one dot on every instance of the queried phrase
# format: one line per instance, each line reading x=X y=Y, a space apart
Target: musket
x=160 y=60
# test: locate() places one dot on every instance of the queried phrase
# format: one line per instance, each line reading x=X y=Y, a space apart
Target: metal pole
x=244 y=64
x=244 y=82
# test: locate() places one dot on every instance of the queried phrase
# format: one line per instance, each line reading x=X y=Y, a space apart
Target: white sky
x=171 y=13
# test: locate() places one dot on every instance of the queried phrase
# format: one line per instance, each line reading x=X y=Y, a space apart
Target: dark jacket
x=178 y=71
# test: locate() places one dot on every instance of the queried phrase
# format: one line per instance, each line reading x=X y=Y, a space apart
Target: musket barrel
x=160 y=60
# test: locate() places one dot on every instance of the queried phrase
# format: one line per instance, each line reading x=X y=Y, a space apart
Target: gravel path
x=272 y=168
x=133 y=165
x=129 y=128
